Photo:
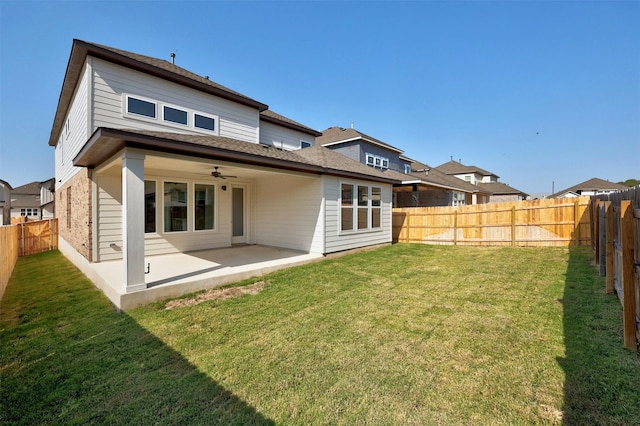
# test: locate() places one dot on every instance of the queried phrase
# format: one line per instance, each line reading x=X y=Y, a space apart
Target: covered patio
x=171 y=275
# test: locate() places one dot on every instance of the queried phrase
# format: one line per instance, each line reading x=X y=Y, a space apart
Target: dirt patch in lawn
x=216 y=294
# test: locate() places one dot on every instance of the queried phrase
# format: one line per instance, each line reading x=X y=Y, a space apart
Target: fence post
x=628 y=269
x=513 y=226
x=609 y=269
x=455 y=228
x=408 y=217
x=602 y=238
x=576 y=221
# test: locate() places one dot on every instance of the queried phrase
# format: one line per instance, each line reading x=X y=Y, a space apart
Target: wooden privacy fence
x=8 y=254
x=553 y=222
x=37 y=236
x=616 y=245
x=23 y=239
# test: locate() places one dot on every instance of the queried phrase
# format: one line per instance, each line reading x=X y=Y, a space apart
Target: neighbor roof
x=105 y=142
x=455 y=168
x=338 y=135
x=149 y=65
x=593 y=184
x=27 y=195
x=440 y=179
x=499 y=188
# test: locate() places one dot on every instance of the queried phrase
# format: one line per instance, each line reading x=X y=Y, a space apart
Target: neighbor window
x=175 y=206
x=149 y=206
x=141 y=107
x=407 y=168
x=304 y=144
x=174 y=115
x=204 y=196
x=377 y=161
x=206 y=123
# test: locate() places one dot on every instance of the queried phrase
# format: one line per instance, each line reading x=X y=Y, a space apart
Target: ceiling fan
x=217 y=174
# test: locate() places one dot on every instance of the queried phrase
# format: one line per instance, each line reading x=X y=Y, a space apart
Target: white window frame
x=355 y=207
x=189 y=201
x=377 y=161
x=174 y=123
x=216 y=122
x=126 y=112
x=193 y=205
x=155 y=181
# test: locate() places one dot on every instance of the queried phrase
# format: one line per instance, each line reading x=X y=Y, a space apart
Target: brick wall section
x=74 y=210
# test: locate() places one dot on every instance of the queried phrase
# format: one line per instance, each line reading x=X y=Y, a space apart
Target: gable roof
x=106 y=142
x=337 y=135
x=499 y=188
x=31 y=188
x=437 y=178
x=272 y=117
x=593 y=184
x=149 y=65
x=455 y=168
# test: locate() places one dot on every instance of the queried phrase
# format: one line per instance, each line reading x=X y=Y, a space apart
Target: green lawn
x=407 y=334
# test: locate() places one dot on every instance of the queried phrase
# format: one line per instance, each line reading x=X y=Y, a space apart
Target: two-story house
x=420 y=186
x=153 y=159
x=489 y=189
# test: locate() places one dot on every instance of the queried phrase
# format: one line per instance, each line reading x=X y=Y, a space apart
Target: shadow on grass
x=602 y=378
x=68 y=358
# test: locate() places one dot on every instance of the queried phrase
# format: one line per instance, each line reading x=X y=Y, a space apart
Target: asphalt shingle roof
x=593 y=184
x=454 y=168
x=336 y=134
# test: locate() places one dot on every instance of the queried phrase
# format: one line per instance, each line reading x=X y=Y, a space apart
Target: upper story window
x=175 y=115
x=377 y=161
x=305 y=144
x=203 y=122
x=407 y=168
x=172 y=115
x=141 y=107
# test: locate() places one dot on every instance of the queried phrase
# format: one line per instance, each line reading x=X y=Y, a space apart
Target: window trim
x=177 y=123
x=188 y=203
x=212 y=117
x=376 y=161
x=155 y=181
x=215 y=206
x=355 y=207
x=136 y=115
x=160 y=115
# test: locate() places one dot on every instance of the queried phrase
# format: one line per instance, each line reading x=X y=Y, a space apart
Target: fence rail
x=555 y=222
x=23 y=239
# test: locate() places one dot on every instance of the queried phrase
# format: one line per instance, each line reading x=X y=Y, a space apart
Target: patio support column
x=133 y=220
x=474 y=198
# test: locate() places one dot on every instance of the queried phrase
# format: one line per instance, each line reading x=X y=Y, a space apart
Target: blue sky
x=535 y=92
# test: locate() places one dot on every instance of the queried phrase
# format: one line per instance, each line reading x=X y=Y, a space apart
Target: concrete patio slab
x=172 y=275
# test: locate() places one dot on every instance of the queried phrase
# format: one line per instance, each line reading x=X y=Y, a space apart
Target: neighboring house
x=419 y=187
x=5 y=203
x=25 y=202
x=364 y=149
x=433 y=189
x=47 y=198
x=490 y=190
x=471 y=174
x=500 y=192
x=142 y=150
x=593 y=186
